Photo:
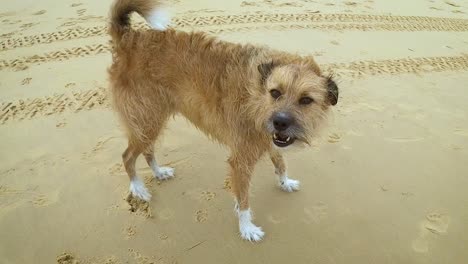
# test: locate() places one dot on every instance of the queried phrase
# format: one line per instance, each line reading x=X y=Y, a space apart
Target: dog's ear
x=265 y=70
x=332 y=90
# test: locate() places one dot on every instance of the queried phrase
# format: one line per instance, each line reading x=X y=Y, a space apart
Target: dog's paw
x=164 y=173
x=289 y=185
x=251 y=232
x=138 y=190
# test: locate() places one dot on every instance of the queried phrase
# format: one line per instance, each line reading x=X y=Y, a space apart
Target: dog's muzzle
x=282 y=122
x=282 y=140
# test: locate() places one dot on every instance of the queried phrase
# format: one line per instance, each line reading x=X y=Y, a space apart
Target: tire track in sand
x=311 y=17
x=96 y=49
x=342 y=27
x=60 y=55
x=98 y=98
x=388 y=23
x=54 y=104
x=399 y=66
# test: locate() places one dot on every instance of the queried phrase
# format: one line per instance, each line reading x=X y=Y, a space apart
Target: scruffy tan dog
x=252 y=99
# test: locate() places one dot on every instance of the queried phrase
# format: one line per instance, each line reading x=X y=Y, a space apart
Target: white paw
x=138 y=189
x=247 y=229
x=164 y=173
x=289 y=185
x=251 y=232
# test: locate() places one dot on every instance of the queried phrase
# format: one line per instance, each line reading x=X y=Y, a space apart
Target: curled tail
x=151 y=10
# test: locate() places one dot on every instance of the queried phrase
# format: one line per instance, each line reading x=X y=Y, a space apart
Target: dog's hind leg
x=285 y=183
x=144 y=144
x=143 y=128
x=161 y=173
x=137 y=186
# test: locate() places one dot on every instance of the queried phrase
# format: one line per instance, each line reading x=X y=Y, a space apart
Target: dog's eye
x=306 y=100
x=275 y=93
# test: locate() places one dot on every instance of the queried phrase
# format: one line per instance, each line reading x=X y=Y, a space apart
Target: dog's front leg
x=242 y=165
x=285 y=183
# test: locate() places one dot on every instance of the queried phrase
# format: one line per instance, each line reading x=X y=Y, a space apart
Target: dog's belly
x=211 y=124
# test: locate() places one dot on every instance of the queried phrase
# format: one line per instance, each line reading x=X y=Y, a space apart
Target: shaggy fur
x=233 y=93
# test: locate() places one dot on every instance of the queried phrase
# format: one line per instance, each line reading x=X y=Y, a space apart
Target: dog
x=252 y=99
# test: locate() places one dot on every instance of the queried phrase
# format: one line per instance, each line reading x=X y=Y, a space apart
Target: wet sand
x=385 y=183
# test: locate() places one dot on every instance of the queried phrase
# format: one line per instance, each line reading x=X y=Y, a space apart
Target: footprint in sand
x=41 y=200
x=455 y=147
x=150 y=180
x=61 y=124
x=349 y=3
x=317 y=213
x=246 y=3
x=227 y=184
x=101 y=144
x=208 y=196
x=421 y=244
x=98 y=147
x=41 y=12
x=201 y=215
x=435 y=224
x=7 y=35
x=110 y=260
x=28 y=25
x=290 y=4
x=20 y=67
x=117 y=168
x=139 y=206
x=452 y=3
x=70 y=85
x=407 y=194
x=130 y=231
x=11 y=22
x=67 y=258
x=81 y=12
x=334 y=138
x=26 y=81
x=141 y=259
x=274 y=219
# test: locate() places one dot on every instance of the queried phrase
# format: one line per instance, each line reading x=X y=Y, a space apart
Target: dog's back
x=160 y=72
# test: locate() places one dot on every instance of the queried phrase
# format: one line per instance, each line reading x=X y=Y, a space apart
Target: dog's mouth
x=282 y=141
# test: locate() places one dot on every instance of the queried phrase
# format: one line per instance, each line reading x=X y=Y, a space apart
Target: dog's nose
x=282 y=120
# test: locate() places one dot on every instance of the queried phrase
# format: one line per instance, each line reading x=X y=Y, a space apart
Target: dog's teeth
x=288 y=139
x=274 y=136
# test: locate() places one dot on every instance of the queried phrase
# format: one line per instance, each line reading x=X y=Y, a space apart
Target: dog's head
x=294 y=101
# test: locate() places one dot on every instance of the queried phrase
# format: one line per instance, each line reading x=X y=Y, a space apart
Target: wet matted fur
x=252 y=99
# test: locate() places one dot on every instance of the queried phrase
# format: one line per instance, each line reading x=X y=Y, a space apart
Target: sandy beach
x=386 y=182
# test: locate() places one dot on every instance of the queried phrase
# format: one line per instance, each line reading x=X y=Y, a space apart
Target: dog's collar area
x=282 y=140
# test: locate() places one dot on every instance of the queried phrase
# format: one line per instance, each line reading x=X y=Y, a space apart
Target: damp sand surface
x=384 y=183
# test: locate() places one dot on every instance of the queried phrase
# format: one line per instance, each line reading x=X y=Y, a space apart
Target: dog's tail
x=151 y=10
